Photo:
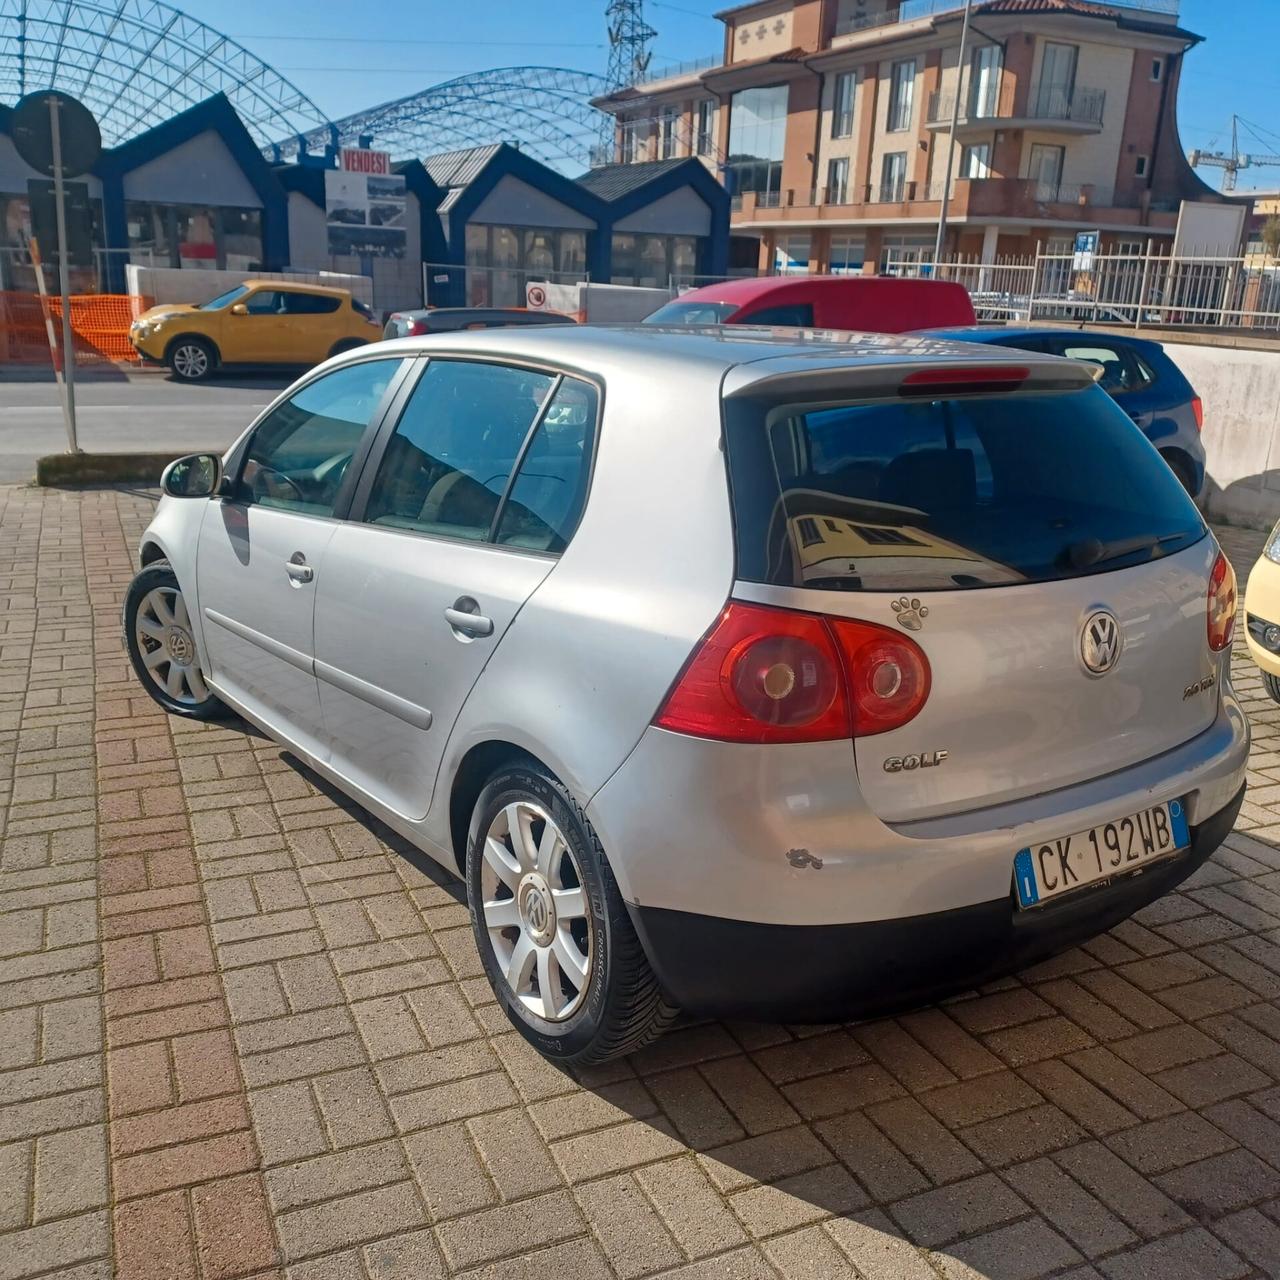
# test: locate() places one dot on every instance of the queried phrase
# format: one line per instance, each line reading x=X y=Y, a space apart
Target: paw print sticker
x=911 y=613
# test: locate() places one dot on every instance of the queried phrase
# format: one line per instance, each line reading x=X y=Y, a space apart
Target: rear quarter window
x=974 y=491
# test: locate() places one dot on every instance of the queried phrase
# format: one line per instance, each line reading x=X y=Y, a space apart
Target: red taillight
x=939 y=381
x=1222 y=604
x=774 y=675
x=1197 y=407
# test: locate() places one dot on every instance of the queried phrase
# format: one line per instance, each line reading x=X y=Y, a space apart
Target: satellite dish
x=31 y=127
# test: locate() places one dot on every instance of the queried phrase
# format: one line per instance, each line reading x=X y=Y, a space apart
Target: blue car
x=1136 y=373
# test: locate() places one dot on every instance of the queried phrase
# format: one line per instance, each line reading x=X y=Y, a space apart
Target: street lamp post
x=951 y=137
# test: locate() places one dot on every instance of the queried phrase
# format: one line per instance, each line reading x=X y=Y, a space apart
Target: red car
x=875 y=304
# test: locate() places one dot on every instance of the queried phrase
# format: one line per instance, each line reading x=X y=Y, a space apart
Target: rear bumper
x=821 y=973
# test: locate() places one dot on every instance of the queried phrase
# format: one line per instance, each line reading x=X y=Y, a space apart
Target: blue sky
x=347 y=55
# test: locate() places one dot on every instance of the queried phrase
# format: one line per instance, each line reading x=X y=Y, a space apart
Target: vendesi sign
x=362 y=160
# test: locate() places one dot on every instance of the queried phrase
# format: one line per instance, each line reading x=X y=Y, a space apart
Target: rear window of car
x=975 y=491
x=363 y=308
x=693 y=313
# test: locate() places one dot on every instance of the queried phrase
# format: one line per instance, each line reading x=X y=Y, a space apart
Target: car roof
x=755 y=351
x=289 y=286
x=749 y=288
x=992 y=333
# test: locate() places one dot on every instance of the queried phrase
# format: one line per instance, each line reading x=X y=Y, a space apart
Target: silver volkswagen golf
x=735 y=672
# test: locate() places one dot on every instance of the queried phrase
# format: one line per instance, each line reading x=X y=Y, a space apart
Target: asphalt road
x=126 y=413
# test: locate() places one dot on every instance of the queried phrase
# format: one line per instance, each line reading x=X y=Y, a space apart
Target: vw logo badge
x=1100 y=642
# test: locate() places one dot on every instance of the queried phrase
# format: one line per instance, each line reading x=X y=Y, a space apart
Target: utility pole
x=951 y=136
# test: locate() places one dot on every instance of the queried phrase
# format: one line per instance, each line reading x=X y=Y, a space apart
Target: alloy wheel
x=535 y=910
x=162 y=628
x=190 y=361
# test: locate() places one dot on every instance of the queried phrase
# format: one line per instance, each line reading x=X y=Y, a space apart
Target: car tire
x=606 y=1001
x=191 y=359
x=347 y=344
x=162 y=647
x=1272 y=685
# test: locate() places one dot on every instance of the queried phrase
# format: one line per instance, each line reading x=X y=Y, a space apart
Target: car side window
x=265 y=302
x=299 y=455
x=447 y=464
x=796 y=313
x=550 y=489
x=1119 y=372
x=310 y=304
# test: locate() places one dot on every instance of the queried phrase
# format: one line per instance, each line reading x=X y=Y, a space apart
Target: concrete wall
x=174 y=284
x=1241 y=394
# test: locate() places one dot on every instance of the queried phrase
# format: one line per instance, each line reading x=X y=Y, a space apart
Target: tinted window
x=224 y=299
x=1120 y=371
x=310 y=304
x=546 y=499
x=265 y=302
x=797 y=313
x=692 y=313
x=970 y=492
x=363 y=308
x=447 y=464
x=299 y=454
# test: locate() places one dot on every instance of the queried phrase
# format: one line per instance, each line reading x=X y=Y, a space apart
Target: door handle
x=298 y=569
x=465 y=616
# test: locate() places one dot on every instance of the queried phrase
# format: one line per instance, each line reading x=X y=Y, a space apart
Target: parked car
x=1138 y=376
x=873 y=304
x=1262 y=614
x=760 y=677
x=408 y=324
x=259 y=322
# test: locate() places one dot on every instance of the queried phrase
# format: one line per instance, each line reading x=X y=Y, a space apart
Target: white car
x=734 y=671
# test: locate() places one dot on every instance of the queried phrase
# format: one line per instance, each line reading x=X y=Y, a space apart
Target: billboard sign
x=365 y=212
x=362 y=160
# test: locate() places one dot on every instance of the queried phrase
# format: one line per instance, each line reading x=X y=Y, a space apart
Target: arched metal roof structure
x=545 y=111
x=137 y=63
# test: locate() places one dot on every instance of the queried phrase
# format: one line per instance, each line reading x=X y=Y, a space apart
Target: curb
x=69 y=470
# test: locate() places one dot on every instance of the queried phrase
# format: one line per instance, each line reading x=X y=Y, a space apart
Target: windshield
x=977 y=491
x=679 y=312
x=224 y=299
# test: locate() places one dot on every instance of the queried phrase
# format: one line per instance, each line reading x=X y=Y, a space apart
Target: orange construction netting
x=99 y=325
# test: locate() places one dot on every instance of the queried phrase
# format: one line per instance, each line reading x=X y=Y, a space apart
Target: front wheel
x=1272 y=685
x=162 y=647
x=553 y=933
x=191 y=359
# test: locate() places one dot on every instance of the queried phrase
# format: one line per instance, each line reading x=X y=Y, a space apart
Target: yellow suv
x=259 y=322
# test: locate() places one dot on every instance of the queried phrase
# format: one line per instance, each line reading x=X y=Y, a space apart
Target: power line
x=503 y=44
x=676 y=8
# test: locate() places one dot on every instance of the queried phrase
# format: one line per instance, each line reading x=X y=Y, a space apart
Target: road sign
x=42 y=200
x=32 y=131
x=536 y=297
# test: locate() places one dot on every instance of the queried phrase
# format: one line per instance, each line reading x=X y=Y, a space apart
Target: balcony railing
x=672 y=69
x=1054 y=102
x=982 y=105
x=983 y=195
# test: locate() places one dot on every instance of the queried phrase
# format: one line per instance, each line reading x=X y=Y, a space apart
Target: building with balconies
x=829 y=121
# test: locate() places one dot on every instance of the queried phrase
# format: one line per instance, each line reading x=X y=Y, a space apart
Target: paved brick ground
x=244 y=1033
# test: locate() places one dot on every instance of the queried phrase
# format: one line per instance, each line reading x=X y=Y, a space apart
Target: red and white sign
x=536 y=297
x=360 y=160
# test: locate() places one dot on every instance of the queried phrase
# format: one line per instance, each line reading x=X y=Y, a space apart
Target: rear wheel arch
x=474 y=770
x=347 y=344
x=1182 y=466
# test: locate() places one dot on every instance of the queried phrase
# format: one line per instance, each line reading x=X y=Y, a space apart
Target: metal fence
x=445 y=284
x=1120 y=289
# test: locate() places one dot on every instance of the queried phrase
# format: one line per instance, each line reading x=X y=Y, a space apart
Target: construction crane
x=1233 y=163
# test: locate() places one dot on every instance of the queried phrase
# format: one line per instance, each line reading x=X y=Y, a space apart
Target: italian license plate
x=1055 y=867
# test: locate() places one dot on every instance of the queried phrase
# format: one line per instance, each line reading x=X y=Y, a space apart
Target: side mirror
x=198 y=475
x=239 y=309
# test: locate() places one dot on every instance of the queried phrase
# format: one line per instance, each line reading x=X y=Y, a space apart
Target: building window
x=791 y=256
x=194 y=236
x=501 y=261
x=842 y=105
x=1157 y=69
x=1057 y=85
x=1045 y=170
x=667 y=133
x=975 y=160
x=653 y=262
x=706 y=126
x=628 y=148
x=1140 y=168
x=838 y=181
x=984 y=81
x=757 y=135
x=902 y=94
x=893 y=177
x=905 y=255
x=847 y=254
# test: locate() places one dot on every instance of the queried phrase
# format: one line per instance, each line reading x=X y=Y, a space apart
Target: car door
x=262 y=545
x=313 y=326
x=461 y=512
x=259 y=334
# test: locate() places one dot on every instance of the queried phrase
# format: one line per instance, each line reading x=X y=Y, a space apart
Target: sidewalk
x=244 y=1033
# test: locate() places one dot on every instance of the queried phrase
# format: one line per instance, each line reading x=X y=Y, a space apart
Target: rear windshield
x=693 y=313
x=978 y=491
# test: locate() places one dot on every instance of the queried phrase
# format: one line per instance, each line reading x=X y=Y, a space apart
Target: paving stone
x=935 y=1217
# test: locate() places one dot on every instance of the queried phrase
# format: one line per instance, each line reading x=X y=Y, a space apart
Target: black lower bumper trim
x=826 y=973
